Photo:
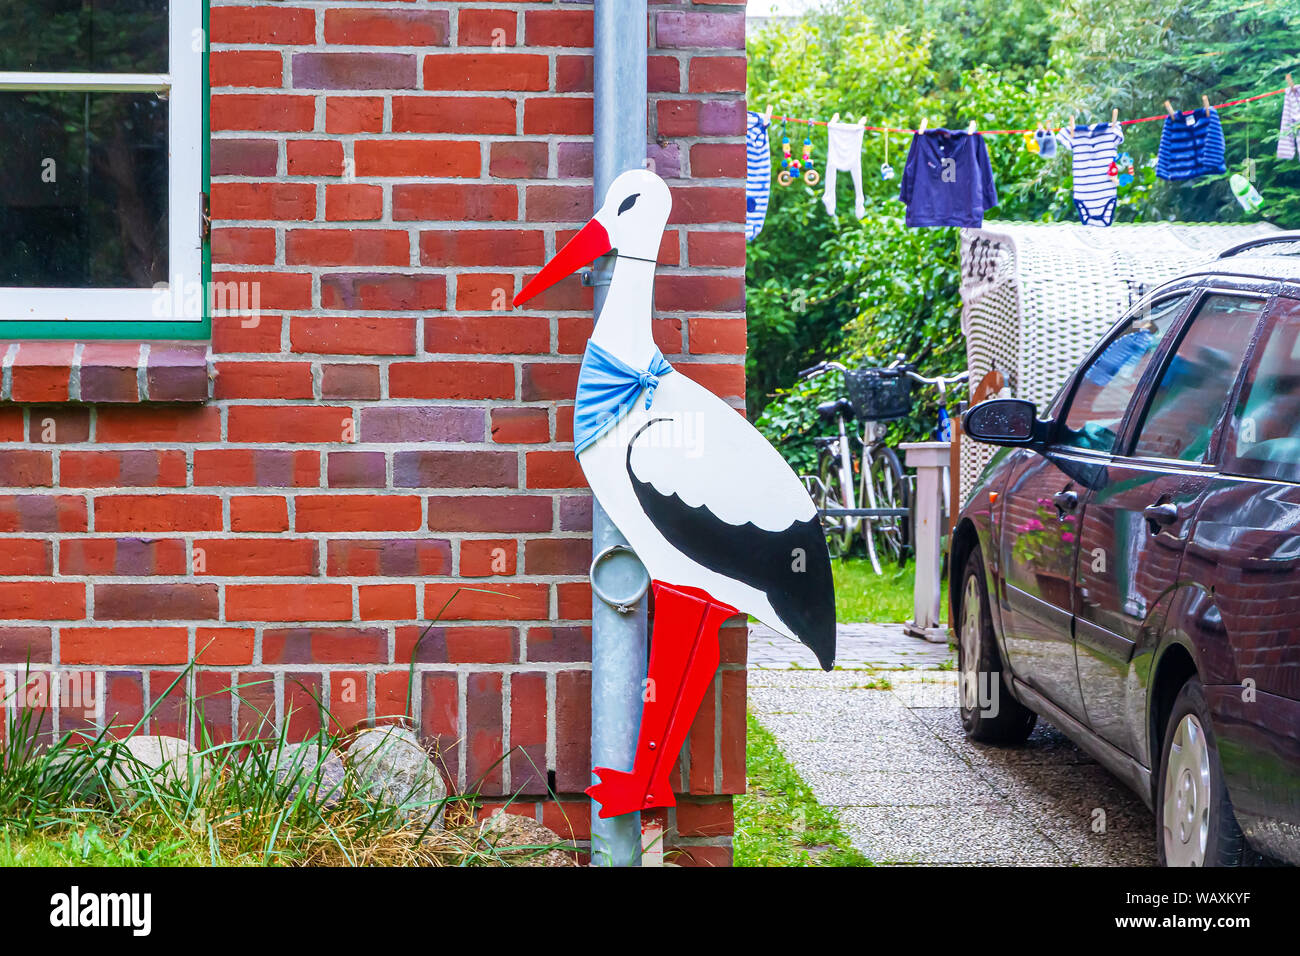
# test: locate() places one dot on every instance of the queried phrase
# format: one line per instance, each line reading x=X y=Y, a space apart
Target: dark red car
x=1128 y=567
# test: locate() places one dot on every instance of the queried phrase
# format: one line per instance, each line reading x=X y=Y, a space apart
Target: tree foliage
x=822 y=287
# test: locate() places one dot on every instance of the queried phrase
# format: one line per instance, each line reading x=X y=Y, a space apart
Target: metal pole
x=618 y=641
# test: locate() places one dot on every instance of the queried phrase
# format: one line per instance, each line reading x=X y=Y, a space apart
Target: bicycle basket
x=876 y=397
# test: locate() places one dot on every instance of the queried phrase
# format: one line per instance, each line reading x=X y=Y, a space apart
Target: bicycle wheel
x=839 y=529
x=889 y=536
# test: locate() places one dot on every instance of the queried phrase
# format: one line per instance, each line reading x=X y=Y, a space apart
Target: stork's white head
x=631 y=222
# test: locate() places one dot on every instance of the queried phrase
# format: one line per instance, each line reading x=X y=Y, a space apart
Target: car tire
x=1195 y=823
x=989 y=714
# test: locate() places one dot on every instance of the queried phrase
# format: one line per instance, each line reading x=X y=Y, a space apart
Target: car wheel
x=1195 y=825
x=989 y=713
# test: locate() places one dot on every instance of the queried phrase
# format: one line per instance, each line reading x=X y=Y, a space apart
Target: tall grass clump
x=258 y=800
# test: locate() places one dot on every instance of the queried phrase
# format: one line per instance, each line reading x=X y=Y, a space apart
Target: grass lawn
x=861 y=595
x=778 y=821
x=91 y=846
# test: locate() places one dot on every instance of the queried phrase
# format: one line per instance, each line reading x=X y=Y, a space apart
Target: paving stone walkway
x=908 y=785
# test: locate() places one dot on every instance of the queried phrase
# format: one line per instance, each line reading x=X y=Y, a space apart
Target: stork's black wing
x=791 y=566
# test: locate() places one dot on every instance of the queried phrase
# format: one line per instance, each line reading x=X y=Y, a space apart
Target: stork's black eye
x=627 y=203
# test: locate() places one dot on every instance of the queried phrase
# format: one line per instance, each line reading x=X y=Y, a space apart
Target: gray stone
x=522 y=841
x=393 y=769
x=304 y=765
x=171 y=762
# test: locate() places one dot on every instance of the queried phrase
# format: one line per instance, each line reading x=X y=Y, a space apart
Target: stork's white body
x=705 y=452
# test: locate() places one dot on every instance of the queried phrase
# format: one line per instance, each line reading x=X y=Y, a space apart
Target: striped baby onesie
x=1095 y=149
x=1191 y=145
x=758 y=181
x=1288 y=134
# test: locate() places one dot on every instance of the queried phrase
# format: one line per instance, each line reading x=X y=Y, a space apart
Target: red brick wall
x=384 y=433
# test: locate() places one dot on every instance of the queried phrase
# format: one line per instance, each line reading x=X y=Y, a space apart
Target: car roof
x=1275 y=256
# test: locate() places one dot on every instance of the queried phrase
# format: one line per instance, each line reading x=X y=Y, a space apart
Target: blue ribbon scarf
x=607 y=387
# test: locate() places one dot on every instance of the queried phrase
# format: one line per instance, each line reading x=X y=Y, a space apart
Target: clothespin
x=1169 y=108
x=1114 y=116
x=767 y=115
x=970 y=128
x=1290 y=83
x=835 y=118
x=1205 y=101
x=862 y=120
x=924 y=123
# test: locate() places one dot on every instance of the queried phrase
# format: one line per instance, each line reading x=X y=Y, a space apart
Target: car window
x=1197 y=380
x=1106 y=386
x=1265 y=441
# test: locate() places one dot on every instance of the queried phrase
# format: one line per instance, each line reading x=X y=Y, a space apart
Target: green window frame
x=181 y=26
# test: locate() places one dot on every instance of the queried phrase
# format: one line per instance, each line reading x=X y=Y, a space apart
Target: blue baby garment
x=1288 y=133
x=607 y=387
x=1046 y=143
x=758 y=181
x=1095 y=171
x=1191 y=145
x=947 y=179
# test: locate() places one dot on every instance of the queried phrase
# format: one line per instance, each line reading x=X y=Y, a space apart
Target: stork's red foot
x=619 y=792
x=683 y=660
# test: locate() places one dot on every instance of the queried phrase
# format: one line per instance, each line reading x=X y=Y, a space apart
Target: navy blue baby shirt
x=947 y=180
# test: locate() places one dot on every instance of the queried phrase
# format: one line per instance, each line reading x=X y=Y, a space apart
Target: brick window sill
x=106 y=372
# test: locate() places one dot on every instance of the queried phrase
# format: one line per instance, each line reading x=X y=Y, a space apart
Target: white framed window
x=101 y=161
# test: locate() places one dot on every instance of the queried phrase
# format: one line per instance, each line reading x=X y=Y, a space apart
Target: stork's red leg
x=683 y=660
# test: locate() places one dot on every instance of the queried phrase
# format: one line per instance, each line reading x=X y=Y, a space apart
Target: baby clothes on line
x=844 y=152
x=1095 y=150
x=947 y=179
x=1046 y=143
x=758 y=180
x=1288 y=134
x=1191 y=145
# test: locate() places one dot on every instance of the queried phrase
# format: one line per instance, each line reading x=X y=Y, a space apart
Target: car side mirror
x=1004 y=421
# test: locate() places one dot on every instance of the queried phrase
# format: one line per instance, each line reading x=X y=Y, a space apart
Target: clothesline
x=942 y=185
x=1021 y=132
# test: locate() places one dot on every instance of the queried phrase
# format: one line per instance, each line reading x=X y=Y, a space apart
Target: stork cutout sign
x=718 y=518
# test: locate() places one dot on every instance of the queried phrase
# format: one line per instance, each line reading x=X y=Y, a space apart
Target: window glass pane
x=1106 y=387
x=1267 y=439
x=1194 y=386
x=83 y=190
x=84 y=36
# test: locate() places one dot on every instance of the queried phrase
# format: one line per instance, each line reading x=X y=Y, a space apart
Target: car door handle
x=1065 y=501
x=1158 y=516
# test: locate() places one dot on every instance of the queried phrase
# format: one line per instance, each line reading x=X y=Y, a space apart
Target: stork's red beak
x=591 y=242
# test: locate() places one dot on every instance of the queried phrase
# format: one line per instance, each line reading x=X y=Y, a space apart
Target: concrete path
x=908 y=785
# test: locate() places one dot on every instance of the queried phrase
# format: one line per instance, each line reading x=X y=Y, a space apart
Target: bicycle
x=875 y=396
x=875 y=479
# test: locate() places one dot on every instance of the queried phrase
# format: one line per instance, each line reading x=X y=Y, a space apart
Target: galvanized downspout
x=618 y=640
